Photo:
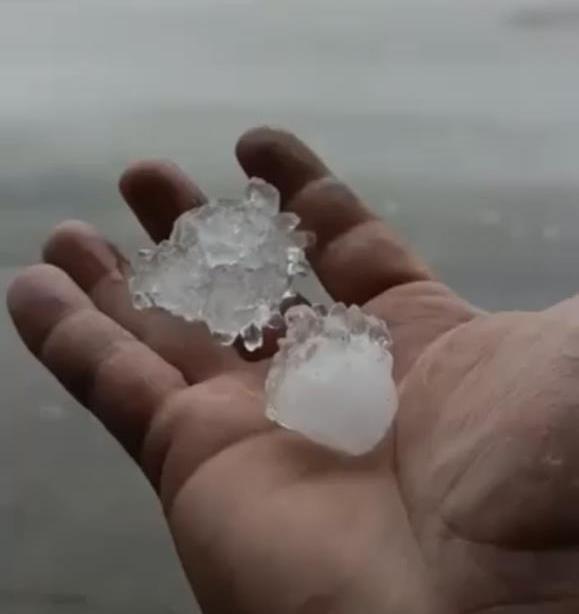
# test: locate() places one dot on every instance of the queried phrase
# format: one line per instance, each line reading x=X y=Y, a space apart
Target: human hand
x=470 y=505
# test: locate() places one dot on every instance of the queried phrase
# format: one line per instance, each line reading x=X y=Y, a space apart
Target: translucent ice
x=229 y=263
x=332 y=378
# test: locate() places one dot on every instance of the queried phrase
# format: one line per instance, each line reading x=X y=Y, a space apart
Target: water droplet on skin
x=277 y=321
x=252 y=338
x=140 y=301
x=225 y=338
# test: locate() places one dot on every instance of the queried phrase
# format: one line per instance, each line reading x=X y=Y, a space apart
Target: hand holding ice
x=228 y=263
x=332 y=379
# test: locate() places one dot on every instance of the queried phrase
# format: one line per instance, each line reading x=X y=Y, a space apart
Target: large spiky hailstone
x=229 y=263
x=332 y=381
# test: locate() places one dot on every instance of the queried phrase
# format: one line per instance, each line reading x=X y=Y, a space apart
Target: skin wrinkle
x=320 y=604
x=231 y=449
x=341 y=209
x=426 y=318
x=98 y=261
x=107 y=361
x=357 y=246
x=427 y=327
x=334 y=189
x=69 y=314
x=492 y=609
x=112 y=275
x=514 y=392
x=164 y=453
x=141 y=397
x=85 y=380
x=552 y=544
x=297 y=481
x=439 y=342
x=451 y=535
x=456 y=533
x=189 y=486
x=480 y=452
x=461 y=475
x=409 y=519
x=433 y=307
x=156 y=445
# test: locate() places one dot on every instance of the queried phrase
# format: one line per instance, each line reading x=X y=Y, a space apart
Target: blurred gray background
x=457 y=119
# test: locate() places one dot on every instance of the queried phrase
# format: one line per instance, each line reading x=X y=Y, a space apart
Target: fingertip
x=84 y=254
x=280 y=158
x=261 y=138
x=33 y=298
x=141 y=174
x=158 y=192
x=27 y=282
x=64 y=235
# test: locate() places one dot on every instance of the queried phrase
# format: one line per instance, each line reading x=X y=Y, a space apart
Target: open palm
x=471 y=505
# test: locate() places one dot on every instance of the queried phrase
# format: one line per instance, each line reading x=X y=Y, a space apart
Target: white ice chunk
x=229 y=263
x=332 y=381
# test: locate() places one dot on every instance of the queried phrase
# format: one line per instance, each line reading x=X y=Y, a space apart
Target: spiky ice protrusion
x=332 y=381
x=229 y=263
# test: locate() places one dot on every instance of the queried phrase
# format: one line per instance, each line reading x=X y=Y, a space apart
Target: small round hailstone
x=332 y=380
x=228 y=263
